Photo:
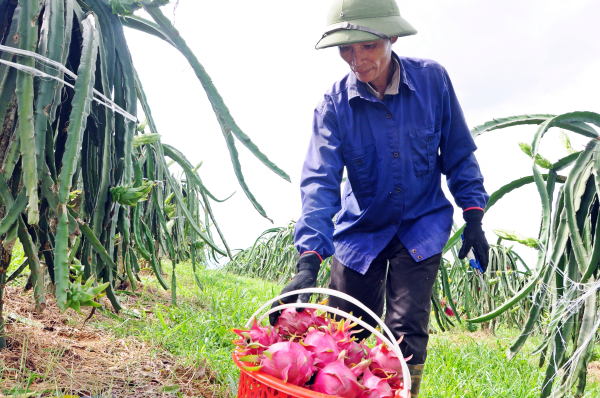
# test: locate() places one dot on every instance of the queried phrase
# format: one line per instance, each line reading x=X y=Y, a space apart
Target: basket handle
x=391 y=342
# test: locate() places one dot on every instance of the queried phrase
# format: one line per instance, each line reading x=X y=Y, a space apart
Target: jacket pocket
x=362 y=170
x=424 y=144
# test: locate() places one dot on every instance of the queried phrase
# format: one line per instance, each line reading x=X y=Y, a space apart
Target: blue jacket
x=395 y=151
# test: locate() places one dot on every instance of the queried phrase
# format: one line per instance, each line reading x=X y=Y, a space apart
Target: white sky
x=504 y=58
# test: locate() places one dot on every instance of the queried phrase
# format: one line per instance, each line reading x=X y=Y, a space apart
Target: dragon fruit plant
x=313 y=351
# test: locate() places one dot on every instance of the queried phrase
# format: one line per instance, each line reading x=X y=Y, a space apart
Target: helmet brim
x=392 y=26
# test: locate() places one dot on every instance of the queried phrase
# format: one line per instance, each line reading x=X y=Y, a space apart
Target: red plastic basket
x=257 y=384
x=261 y=385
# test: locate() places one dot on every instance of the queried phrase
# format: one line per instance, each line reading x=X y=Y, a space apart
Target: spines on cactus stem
x=135 y=265
x=8 y=98
x=37 y=276
x=154 y=261
x=123 y=226
x=81 y=106
x=128 y=262
x=136 y=233
x=7 y=82
x=66 y=42
x=105 y=22
x=123 y=59
x=61 y=264
x=93 y=240
x=13 y=156
x=50 y=46
x=181 y=160
x=577 y=243
x=160 y=211
x=46 y=240
x=13 y=213
x=106 y=159
x=182 y=205
x=27 y=40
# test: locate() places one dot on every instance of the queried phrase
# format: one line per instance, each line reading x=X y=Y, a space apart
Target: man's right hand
x=308 y=268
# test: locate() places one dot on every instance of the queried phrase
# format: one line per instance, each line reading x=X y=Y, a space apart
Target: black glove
x=475 y=237
x=308 y=268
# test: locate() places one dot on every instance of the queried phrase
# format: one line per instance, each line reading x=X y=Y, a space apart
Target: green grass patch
x=462 y=364
x=199 y=327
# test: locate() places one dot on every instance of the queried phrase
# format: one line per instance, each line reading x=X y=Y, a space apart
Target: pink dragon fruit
x=323 y=347
x=322 y=320
x=385 y=362
x=293 y=323
x=396 y=384
x=375 y=387
x=356 y=353
x=337 y=379
x=288 y=361
x=449 y=311
x=255 y=340
x=341 y=333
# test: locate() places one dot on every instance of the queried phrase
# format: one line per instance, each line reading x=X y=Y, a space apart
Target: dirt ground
x=58 y=354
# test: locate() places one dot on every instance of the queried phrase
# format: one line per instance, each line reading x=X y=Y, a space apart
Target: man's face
x=370 y=60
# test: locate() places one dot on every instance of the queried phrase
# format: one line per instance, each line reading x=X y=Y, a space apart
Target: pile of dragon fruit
x=312 y=350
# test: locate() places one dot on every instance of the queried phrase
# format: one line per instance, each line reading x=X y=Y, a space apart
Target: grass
x=199 y=327
x=463 y=364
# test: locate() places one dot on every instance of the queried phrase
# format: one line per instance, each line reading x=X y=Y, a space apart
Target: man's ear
x=394 y=39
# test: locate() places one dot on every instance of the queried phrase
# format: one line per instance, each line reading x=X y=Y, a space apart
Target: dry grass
x=62 y=355
x=594 y=371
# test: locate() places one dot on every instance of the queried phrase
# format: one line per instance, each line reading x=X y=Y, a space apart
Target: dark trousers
x=406 y=287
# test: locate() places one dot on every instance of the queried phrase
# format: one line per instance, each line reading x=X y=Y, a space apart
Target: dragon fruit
x=323 y=347
x=449 y=311
x=322 y=320
x=310 y=347
x=293 y=323
x=288 y=361
x=375 y=387
x=341 y=333
x=385 y=362
x=337 y=379
x=356 y=353
x=255 y=340
x=396 y=384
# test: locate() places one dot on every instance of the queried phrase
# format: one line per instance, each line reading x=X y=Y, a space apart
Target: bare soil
x=58 y=354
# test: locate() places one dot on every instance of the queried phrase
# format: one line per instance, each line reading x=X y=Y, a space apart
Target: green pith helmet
x=356 y=21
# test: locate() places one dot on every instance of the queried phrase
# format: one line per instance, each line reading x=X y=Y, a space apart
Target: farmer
x=396 y=125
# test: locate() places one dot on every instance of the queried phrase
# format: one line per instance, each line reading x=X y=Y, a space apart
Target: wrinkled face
x=370 y=60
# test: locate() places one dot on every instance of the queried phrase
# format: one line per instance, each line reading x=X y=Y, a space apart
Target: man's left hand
x=475 y=237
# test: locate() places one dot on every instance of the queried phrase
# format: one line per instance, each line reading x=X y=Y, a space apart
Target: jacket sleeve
x=459 y=164
x=320 y=184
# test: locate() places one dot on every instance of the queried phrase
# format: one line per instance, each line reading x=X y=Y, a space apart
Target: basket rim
x=275 y=383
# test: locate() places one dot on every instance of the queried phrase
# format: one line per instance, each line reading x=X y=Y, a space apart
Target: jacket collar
x=356 y=88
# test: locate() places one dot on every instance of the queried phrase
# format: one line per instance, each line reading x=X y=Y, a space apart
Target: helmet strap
x=349 y=26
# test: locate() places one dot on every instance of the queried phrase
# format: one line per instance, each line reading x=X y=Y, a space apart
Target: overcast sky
x=504 y=58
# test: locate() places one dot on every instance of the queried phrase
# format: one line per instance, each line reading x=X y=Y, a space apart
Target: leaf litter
x=62 y=355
